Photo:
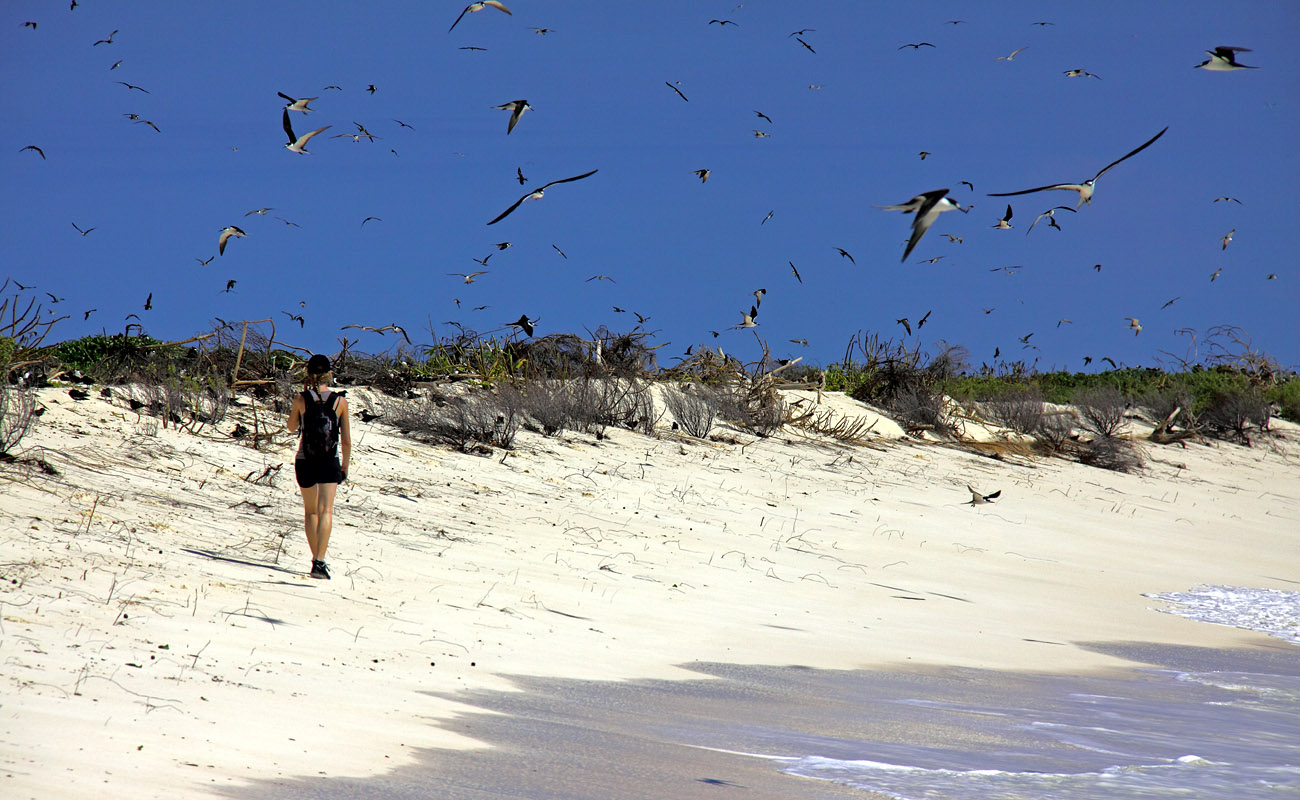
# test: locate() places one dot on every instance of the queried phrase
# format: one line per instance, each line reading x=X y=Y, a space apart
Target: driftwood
x=1164 y=433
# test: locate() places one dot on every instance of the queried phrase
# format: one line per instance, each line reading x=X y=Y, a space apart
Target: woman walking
x=320 y=415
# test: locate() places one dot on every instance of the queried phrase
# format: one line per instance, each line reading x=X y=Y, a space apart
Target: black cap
x=318 y=364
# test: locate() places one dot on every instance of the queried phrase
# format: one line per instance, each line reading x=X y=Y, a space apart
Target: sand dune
x=161 y=636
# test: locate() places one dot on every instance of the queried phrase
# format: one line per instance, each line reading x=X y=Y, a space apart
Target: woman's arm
x=345 y=436
x=295 y=414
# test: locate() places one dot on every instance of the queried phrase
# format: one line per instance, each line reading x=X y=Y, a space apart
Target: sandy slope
x=159 y=634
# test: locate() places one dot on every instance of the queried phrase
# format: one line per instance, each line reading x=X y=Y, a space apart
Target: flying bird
x=1227 y=237
x=923 y=154
x=916 y=46
x=38 y=150
x=722 y=22
x=519 y=176
x=85 y=315
x=516 y=109
x=1134 y=325
x=470 y=277
x=298 y=318
x=371 y=88
x=600 y=278
x=561 y=252
x=806 y=45
x=482 y=262
x=769 y=216
x=367 y=219
x=920 y=323
x=230 y=284
x=1168 y=303
x=1227 y=199
x=541 y=31
x=298 y=144
x=906 y=323
x=1051 y=218
x=502 y=245
x=761 y=115
x=109 y=40
x=675 y=89
x=524 y=324
x=703 y=175
x=954 y=239
x=1224 y=59
x=148 y=302
x=226 y=233
x=796 y=272
x=845 y=254
x=977 y=499
x=758 y=297
x=928 y=207
x=150 y=124
x=1011 y=57
x=132 y=86
x=79 y=230
x=1215 y=275
x=747 y=320
x=403 y=124
x=1080 y=73
x=1085 y=189
x=537 y=194
x=802 y=32
x=32 y=25
x=473 y=7
x=259 y=211
x=299 y=104
x=761 y=134
x=203 y=263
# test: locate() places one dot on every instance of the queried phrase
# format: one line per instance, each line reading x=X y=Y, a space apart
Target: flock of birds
x=926 y=207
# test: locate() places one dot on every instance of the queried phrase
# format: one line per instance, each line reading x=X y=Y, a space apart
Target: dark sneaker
x=319 y=570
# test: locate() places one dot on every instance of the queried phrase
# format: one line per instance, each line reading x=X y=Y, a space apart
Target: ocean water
x=1223 y=726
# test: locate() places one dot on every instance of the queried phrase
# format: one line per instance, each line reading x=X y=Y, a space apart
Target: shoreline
x=159 y=629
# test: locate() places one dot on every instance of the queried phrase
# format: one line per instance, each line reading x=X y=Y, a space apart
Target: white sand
x=159 y=634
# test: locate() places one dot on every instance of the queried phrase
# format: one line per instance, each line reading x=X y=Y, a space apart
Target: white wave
x=1271 y=611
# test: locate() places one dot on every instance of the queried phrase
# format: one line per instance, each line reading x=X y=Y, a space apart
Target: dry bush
x=851 y=430
x=1232 y=414
x=188 y=403
x=1101 y=410
x=911 y=392
x=488 y=418
x=1021 y=412
x=1054 y=433
x=1109 y=452
x=694 y=408
x=17 y=415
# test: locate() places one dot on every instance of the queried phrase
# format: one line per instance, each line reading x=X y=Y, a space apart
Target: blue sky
x=686 y=255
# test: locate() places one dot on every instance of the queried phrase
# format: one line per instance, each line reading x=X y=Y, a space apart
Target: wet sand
x=593 y=740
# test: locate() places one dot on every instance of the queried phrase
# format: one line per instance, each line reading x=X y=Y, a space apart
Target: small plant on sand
x=1101 y=410
x=17 y=415
x=1020 y=411
x=693 y=407
x=473 y=421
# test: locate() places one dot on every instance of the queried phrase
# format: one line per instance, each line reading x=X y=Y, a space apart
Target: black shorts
x=309 y=472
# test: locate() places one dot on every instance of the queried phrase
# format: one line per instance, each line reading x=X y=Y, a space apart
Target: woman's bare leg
x=324 y=517
x=311 y=520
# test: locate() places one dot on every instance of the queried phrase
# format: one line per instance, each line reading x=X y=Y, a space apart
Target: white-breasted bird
x=1224 y=59
x=538 y=193
x=226 y=233
x=928 y=207
x=298 y=144
x=516 y=109
x=1085 y=189
x=472 y=7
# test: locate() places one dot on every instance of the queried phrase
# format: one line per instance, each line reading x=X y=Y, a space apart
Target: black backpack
x=320 y=426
